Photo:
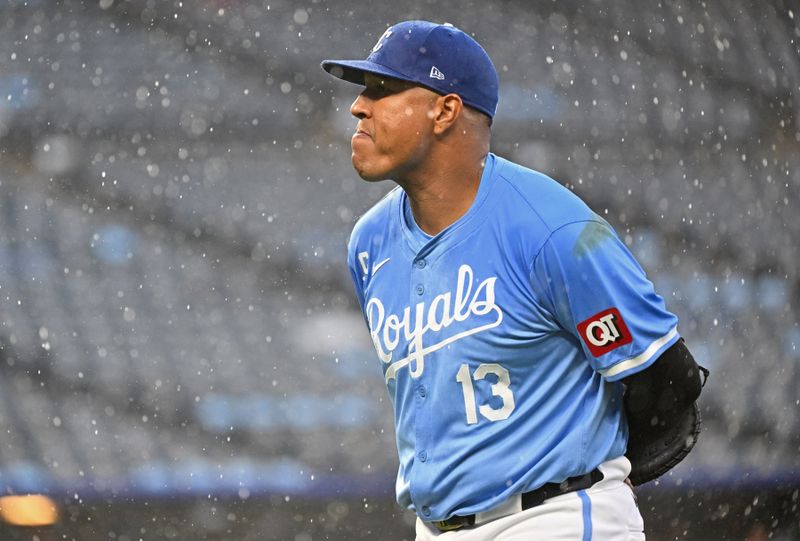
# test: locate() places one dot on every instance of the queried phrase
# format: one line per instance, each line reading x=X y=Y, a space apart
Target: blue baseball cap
x=439 y=57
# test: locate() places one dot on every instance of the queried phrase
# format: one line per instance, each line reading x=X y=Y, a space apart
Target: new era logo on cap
x=436 y=74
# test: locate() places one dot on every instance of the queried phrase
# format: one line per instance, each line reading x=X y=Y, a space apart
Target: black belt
x=530 y=499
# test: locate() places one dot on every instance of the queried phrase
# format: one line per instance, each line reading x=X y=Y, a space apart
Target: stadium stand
x=175 y=196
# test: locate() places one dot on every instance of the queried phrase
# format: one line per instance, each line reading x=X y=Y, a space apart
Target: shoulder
x=536 y=209
x=545 y=198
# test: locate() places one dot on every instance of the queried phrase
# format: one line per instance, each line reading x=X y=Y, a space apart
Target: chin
x=371 y=178
x=367 y=173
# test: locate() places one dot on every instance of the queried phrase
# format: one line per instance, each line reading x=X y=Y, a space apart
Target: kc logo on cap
x=381 y=40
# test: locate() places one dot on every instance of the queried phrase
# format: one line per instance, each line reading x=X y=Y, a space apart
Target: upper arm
x=672 y=382
x=598 y=292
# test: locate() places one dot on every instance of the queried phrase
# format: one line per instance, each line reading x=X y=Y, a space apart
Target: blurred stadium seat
x=176 y=195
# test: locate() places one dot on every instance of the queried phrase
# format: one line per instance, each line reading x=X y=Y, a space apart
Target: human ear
x=446 y=111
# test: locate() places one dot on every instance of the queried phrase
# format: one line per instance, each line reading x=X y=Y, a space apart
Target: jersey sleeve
x=598 y=292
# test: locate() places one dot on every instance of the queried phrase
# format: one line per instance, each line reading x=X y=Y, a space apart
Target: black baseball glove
x=655 y=449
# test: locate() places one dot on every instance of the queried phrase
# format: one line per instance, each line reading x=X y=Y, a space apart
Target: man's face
x=394 y=129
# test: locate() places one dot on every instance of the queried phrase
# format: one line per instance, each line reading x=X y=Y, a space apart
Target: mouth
x=361 y=133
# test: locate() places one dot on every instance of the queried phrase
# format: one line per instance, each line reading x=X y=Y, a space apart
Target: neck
x=443 y=193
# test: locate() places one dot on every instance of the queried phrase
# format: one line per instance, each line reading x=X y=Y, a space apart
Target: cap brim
x=353 y=70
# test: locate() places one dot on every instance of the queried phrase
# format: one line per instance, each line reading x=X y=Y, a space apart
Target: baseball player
x=532 y=368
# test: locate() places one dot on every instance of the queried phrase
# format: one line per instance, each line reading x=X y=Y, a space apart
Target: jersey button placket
x=422 y=476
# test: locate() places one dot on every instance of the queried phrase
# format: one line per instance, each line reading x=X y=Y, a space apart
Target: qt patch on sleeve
x=604 y=332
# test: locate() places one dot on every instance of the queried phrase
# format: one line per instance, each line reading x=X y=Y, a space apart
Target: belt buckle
x=445 y=526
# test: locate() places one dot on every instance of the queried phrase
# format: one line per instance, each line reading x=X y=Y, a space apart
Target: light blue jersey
x=503 y=339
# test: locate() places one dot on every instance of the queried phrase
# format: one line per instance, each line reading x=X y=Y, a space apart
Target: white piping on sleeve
x=641 y=359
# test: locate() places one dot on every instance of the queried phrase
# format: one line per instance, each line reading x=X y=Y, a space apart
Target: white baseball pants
x=606 y=511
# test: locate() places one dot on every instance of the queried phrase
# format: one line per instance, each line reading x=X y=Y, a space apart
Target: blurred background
x=181 y=355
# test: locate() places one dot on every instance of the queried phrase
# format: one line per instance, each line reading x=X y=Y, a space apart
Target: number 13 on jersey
x=501 y=389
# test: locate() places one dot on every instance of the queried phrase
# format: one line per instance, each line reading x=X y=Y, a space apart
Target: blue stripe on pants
x=587 y=515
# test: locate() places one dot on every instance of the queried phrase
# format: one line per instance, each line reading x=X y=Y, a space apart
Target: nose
x=360 y=107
